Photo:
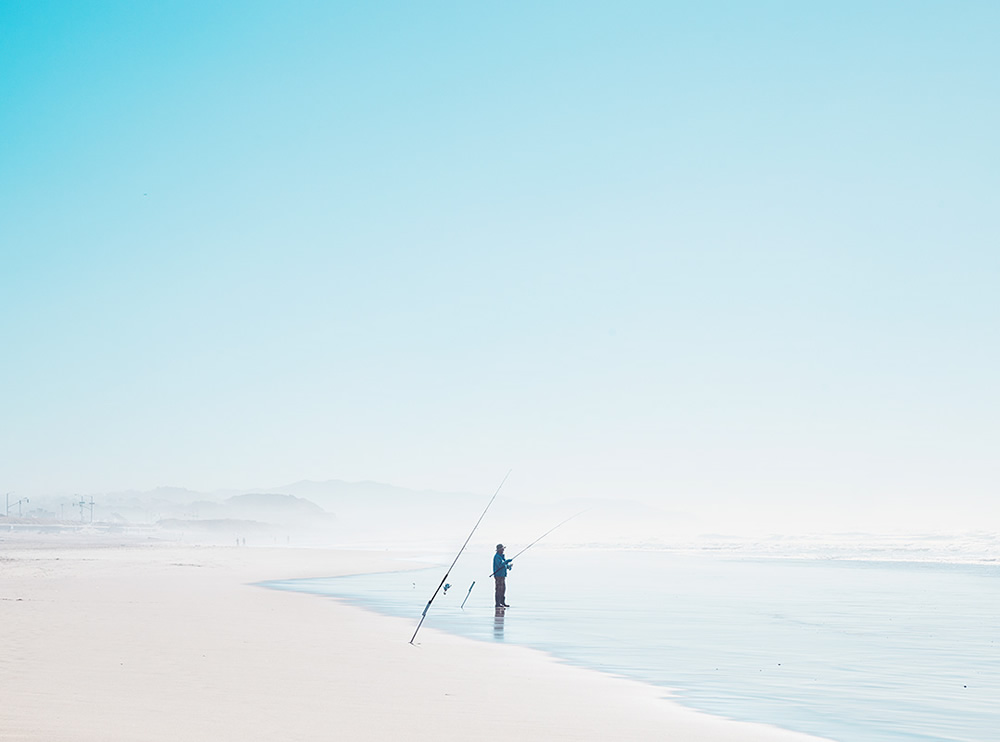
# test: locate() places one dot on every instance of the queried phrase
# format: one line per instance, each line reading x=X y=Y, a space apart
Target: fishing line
x=525 y=549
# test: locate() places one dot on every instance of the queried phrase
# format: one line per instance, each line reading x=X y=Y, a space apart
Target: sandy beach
x=125 y=640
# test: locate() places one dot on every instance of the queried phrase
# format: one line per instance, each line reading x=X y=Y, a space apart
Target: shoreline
x=111 y=640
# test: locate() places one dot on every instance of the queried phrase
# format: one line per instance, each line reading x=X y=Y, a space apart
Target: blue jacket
x=500 y=565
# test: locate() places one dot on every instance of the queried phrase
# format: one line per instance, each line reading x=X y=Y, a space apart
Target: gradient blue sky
x=740 y=259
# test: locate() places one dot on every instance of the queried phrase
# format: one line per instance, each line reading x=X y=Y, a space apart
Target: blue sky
x=736 y=258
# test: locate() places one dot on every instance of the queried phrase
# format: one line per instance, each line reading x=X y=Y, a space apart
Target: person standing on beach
x=500 y=567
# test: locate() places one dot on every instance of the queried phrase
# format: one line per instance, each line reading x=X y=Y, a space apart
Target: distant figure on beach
x=500 y=567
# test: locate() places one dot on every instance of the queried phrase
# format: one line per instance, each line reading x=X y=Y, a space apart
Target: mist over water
x=373 y=515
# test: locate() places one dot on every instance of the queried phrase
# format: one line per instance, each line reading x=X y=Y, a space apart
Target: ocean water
x=855 y=651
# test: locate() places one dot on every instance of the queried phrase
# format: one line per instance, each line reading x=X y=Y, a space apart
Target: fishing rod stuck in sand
x=426 y=607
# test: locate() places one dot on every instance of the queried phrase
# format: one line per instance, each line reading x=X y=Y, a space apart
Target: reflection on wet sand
x=498 y=622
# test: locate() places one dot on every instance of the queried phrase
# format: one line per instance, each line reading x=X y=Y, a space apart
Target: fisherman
x=500 y=567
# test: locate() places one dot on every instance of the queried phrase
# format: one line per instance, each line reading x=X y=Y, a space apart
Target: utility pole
x=84 y=504
x=18 y=503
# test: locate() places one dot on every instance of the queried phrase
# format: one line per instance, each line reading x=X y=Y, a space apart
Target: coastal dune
x=107 y=641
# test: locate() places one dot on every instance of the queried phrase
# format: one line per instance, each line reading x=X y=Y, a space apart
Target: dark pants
x=501 y=595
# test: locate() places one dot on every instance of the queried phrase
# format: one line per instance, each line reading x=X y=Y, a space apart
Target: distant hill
x=369 y=513
x=278 y=512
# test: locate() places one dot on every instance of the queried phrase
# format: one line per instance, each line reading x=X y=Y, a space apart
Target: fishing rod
x=525 y=549
x=426 y=607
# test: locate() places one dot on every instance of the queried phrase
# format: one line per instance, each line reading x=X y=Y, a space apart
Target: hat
x=499 y=546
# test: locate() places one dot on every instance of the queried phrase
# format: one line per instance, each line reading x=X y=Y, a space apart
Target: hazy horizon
x=444 y=517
